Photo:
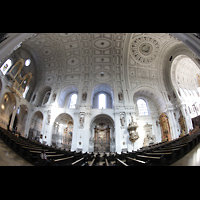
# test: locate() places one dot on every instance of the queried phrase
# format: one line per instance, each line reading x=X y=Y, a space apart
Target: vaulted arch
x=102 y=89
x=102 y=137
x=62 y=131
x=65 y=95
x=152 y=93
x=42 y=97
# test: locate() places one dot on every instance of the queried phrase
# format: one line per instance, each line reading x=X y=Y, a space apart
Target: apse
x=102 y=138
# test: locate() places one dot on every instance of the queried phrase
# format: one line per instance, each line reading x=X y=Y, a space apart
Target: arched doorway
x=102 y=134
x=149 y=104
x=62 y=131
x=36 y=126
x=7 y=107
x=22 y=113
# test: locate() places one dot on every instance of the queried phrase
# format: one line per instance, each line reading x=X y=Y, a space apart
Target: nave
x=18 y=151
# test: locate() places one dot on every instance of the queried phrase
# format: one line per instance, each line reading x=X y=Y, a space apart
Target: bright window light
x=25 y=91
x=102 y=101
x=27 y=62
x=6 y=66
x=142 y=107
x=73 y=101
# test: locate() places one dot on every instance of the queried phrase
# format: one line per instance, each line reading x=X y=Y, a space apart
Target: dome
x=78 y=68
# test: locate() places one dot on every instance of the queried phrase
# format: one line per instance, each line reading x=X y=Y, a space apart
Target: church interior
x=100 y=99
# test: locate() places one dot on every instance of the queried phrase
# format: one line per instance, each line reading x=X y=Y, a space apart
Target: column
x=13 y=118
x=171 y=123
x=117 y=132
x=75 y=131
x=187 y=117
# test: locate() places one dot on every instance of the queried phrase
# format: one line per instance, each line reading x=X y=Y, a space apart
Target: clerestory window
x=102 y=101
x=142 y=107
x=73 y=100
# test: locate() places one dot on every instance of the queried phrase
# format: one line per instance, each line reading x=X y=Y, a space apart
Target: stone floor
x=9 y=158
x=190 y=159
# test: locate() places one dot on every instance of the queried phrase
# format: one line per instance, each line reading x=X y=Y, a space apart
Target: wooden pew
x=136 y=162
x=62 y=161
x=120 y=163
x=34 y=156
x=51 y=157
x=178 y=151
x=154 y=160
x=92 y=162
x=170 y=156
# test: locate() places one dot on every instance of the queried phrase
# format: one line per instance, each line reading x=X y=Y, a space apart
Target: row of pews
x=161 y=154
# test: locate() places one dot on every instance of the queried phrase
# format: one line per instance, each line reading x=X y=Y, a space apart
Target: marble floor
x=190 y=159
x=9 y=158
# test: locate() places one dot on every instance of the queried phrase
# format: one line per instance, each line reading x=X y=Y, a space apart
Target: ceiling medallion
x=144 y=49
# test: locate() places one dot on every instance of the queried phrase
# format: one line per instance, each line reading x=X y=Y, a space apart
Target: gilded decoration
x=165 y=128
x=181 y=121
x=198 y=78
x=19 y=83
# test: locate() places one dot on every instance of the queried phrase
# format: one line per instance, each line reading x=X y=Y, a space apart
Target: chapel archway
x=148 y=117
x=35 y=130
x=102 y=134
x=22 y=113
x=7 y=107
x=62 y=131
x=185 y=78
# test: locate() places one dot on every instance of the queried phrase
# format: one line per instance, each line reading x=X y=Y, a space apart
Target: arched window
x=142 y=107
x=46 y=98
x=102 y=97
x=73 y=100
x=6 y=66
x=102 y=101
x=25 y=91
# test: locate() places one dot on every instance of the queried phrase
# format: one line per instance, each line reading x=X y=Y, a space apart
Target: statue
x=122 y=119
x=120 y=97
x=84 y=96
x=132 y=130
x=81 y=120
x=198 y=78
x=54 y=97
x=149 y=138
x=165 y=128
